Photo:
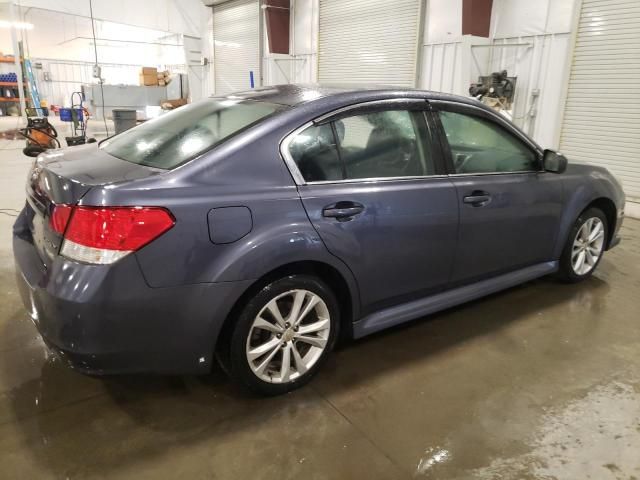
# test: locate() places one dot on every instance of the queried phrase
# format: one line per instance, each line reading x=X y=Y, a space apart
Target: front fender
x=582 y=185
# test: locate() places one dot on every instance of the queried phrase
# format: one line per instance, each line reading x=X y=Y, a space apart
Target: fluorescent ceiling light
x=18 y=25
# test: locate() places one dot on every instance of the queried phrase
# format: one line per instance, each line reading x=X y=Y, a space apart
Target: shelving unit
x=6 y=101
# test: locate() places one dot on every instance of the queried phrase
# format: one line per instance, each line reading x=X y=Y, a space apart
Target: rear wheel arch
x=331 y=276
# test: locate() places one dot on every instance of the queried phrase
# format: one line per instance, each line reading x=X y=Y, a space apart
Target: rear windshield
x=177 y=137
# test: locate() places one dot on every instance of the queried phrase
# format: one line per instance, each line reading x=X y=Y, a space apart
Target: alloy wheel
x=288 y=336
x=587 y=246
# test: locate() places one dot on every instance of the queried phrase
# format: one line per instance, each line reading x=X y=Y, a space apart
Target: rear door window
x=176 y=137
x=384 y=144
x=387 y=144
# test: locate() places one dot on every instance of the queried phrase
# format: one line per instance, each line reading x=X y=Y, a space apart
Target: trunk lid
x=64 y=177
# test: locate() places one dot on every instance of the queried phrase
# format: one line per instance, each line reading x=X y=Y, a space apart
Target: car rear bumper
x=106 y=319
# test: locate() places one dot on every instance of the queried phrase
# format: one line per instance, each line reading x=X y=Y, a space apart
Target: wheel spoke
x=265 y=363
x=594 y=251
x=266 y=325
x=298 y=300
x=313 y=327
x=297 y=359
x=260 y=350
x=272 y=306
x=579 y=263
x=315 y=341
x=589 y=260
x=285 y=367
x=584 y=230
x=313 y=301
x=595 y=232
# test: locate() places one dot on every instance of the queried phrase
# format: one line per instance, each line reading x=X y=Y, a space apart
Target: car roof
x=296 y=94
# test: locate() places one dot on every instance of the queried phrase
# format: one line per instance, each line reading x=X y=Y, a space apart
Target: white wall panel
x=601 y=122
x=443 y=21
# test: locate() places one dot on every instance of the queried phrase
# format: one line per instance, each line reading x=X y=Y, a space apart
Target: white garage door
x=368 y=41
x=236 y=45
x=602 y=117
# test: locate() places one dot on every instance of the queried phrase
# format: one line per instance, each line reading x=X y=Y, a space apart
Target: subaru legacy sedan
x=258 y=228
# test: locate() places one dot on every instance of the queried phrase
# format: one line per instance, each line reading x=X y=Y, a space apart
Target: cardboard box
x=171 y=104
x=148 y=80
x=149 y=71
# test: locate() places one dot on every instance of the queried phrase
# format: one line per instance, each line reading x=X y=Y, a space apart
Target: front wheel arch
x=610 y=211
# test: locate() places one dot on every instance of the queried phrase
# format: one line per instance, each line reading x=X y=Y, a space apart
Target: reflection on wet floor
x=537 y=382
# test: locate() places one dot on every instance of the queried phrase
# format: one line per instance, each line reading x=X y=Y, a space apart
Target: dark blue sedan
x=260 y=227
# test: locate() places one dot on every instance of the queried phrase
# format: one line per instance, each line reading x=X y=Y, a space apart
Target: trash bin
x=123 y=119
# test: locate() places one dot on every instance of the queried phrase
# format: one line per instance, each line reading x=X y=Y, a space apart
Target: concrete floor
x=538 y=382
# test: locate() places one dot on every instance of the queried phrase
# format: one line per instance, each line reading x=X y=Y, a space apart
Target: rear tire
x=282 y=336
x=585 y=246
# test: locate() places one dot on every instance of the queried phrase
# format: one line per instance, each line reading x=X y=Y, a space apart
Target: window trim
x=357 y=109
x=491 y=116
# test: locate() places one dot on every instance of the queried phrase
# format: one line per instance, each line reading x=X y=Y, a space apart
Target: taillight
x=60 y=217
x=103 y=235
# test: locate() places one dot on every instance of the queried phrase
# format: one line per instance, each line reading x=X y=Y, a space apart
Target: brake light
x=103 y=235
x=60 y=217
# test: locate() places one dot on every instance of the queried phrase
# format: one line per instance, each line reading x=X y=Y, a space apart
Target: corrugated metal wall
x=368 y=41
x=601 y=122
x=236 y=45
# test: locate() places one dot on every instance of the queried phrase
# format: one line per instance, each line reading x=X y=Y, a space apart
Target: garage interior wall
x=61 y=41
x=236 y=45
x=528 y=39
x=601 y=124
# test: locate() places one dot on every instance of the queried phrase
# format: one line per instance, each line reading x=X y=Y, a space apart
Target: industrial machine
x=496 y=90
x=41 y=135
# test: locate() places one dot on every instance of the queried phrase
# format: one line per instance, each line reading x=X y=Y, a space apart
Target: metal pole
x=18 y=61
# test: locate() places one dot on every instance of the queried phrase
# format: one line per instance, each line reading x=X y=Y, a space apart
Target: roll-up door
x=601 y=122
x=236 y=45
x=368 y=41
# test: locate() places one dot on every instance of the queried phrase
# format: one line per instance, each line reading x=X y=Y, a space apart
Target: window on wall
x=481 y=146
x=388 y=144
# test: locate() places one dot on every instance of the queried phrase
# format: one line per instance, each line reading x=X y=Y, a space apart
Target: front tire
x=585 y=246
x=282 y=336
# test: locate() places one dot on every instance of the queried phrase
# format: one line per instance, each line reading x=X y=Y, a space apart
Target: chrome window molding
x=374 y=103
x=288 y=159
x=376 y=179
x=481 y=174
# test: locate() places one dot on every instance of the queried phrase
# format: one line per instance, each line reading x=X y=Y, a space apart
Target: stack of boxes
x=163 y=78
x=149 y=76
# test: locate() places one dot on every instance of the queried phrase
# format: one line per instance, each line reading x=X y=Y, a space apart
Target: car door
x=373 y=184
x=509 y=207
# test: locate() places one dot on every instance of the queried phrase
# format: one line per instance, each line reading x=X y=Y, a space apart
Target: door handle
x=342 y=210
x=477 y=199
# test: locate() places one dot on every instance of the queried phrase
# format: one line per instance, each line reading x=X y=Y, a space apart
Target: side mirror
x=554 y=162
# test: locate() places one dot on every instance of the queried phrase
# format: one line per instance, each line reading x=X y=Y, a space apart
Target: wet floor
x=538 y=382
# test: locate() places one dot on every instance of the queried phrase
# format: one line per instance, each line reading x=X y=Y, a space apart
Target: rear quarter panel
x=247 y=171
